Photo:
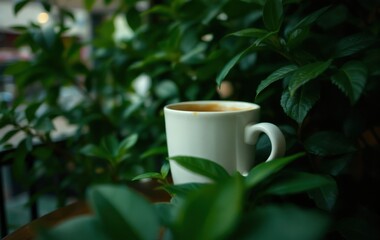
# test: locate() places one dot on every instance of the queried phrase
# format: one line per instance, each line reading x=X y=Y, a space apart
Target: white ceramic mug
x=221 y=131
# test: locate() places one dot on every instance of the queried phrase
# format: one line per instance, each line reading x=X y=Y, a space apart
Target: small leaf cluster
x=306 y=70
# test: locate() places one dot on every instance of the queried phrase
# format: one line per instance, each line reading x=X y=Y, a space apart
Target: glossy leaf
x=328 y=143
x=286 y=222
x=351 y=80
x=250 y=32
x=124 y=213
x=202 y=166
x=298 y=105
x=326 y=196
x=309 y=19
x=273 y=14
x=353 y=44
x=275 y=76
x=266 y=169
x=298 y=182
x=210 y=213
x=306 y=73
x=226 y=69
x=182 y=189
x=79 y=228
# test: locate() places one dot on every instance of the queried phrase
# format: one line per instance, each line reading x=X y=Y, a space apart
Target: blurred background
x=83 y=85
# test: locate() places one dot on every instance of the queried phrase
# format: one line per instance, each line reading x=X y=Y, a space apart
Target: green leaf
x=325 y=197
x=298 y=105
x=124 y=213
x=226 y=69
x=195 y=55
x=273 y=14
x=46 y=5
x=182 y=189
x=161 y=10
x=351 y=79
x=334 y=166
x=110 y=145
x=148 y=175
x=92 y=150
x=298 y=182
x=309 y=19
x=78 y=228
x=297 y=37
x=275 y=76
x=250 y=32
x=133 y=18
x=202 y=166
x=214 y=9
x=44 y=124
x=8 y=135
x=266 y=169
x=306 y=73
x=165 y=212
x=127 y=143
x=328 y=143
x=353 y=44
x=31 y=110
x=210 y=213
x=165 y=168
x=161 y=150
x=285 y=222
x=19 y=5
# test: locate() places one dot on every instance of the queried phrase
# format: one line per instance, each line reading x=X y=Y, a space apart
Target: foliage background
x=311 y=65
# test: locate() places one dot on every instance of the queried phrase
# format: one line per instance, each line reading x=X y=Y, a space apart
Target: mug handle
x=277 y=139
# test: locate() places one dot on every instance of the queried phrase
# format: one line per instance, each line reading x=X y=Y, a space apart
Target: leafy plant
x=311 y=65
x=220 y=210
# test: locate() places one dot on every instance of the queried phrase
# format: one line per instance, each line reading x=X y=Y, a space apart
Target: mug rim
x=249 y=106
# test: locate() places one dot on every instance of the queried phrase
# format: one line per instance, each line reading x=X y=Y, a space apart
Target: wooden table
x=81 y=207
